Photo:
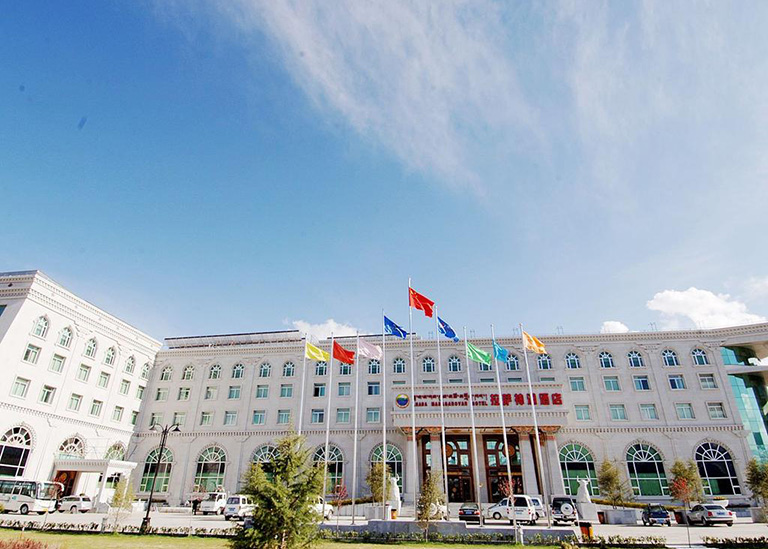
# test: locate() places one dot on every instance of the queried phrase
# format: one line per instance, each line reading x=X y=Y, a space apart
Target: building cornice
x=68 y=420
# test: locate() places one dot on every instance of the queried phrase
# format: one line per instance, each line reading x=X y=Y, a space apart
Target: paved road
x=675 y=535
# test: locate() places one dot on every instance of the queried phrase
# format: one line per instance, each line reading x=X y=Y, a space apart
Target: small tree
x=686 y=483
x=122 y=500
x=612 y=487
x=757 y=481
x=285 y=499
x=431 y=498
x=377 y=475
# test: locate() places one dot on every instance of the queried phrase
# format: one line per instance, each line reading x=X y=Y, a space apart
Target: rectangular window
x=318 y=416
x=74 y=402
x=509 y=380
x=117 y=413
x=345 y=369
x=155 y=419
x=179 y=418
x=184 y=393
x=31 y=354
x=125 y=386
x=103 y=380
x=546 y=379
x=206 y=418
x=373 y=415
x=283 y=417
x=20 y=387
x=286 y=390
x=318 y=390
x=684 y=410
x=648 y=412
x=582 y=412
x=57 y=364
x=262 y=391
x=230 y=418
x=642 y=383
x=96 y=406
x=234 y=392
x=716 y=410
x=259 y=417
x=401 y=382
x=491 y=380
x=342 y=415
x=707 y=381
x=344 y=389
x=161 y=395
x=83 y=373
x=211 y=393
x=47 y=394
x=578 y=385
x=676 y=382
x=429 y=381
x=611 y=383
x=618 y=412
x=134 y=417
x=374 y=388
x=139 y=392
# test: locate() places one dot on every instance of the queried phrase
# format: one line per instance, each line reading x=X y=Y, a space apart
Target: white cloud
x=756 y=287
x=324 y=329
x=613 y=327
x=701 y=309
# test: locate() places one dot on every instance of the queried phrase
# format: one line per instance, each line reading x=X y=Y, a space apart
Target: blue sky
x=215 y=167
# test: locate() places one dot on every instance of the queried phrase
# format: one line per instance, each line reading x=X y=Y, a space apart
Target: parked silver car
x=709 y=513
x=75 y=504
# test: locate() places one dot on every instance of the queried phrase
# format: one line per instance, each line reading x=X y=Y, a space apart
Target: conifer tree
x=431 y=499
x=121 y=504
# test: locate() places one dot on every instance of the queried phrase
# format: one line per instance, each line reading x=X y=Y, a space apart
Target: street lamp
x=174 y=428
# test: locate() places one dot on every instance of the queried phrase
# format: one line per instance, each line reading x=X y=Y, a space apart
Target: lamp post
x=174 y=428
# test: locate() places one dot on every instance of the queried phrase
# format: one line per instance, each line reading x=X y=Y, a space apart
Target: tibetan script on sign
x=484 y=399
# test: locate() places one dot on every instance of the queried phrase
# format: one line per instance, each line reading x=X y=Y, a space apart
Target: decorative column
x=552 y=461
x=527 y=462
x=436 y=453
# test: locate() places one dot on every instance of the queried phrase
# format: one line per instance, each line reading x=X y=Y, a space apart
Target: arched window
x=454 y=364
x=90 y=348
x=289 y=369
x=166 y=373
x=116 y=451
x=606 y=359
x=237 y=371
x=189 y=373
x=109 y=356
x=209 y=473
x=394 y=461
x=428 y=365
x=374 y=366
x=670 y=358
x=577 y=462
x=72 y=448
x=41 y=327
x=646 y=471
x=335 y=466
x=130 y=365
x=65 y=337
x=215 y=372
x=699 y=357
x=545 y=362
x=265 y=370
x=572 y=361
x=513 y=363
x=264 y=454
x=15 y=446
x=716 y=470
x=398 y=365
x=321 y=368
x=635 y=359
x=162 y=465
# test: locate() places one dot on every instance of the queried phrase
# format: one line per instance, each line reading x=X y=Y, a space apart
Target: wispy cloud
x=323 y=330
x=700 y=309
x=756 y=287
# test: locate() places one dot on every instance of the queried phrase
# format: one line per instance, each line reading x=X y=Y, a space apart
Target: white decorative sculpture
x=582 y=496
x=394 y=493
x=587 y=509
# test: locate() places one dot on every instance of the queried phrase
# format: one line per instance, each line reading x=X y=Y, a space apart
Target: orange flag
x=532 y=343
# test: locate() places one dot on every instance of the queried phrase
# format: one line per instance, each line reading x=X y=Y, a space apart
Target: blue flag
x=446 y=330
x=500 y=352
x=390 y=328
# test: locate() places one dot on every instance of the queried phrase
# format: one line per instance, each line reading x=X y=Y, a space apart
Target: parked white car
x=523 y=510
x=75 y=504
x=538 y=504
x=214 y=503
x=238 y=506
x=322 y=508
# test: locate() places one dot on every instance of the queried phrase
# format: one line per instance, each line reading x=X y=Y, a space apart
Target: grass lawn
x=109 y=541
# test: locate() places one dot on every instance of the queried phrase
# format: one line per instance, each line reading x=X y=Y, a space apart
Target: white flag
x=368 y=350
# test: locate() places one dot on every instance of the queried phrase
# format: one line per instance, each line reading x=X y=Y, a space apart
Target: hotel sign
x=487 y=399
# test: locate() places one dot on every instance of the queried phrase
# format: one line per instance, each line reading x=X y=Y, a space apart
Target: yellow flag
x=532 y=343
x=315 y=353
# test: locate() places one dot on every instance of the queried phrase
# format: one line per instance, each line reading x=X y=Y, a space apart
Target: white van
x=238 y=506
x=214 y=503
x=523 y=509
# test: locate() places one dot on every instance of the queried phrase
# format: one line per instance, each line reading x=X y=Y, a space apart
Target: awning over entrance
x=66 y=470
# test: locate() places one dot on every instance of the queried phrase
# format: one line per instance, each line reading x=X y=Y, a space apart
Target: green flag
x=477 y=355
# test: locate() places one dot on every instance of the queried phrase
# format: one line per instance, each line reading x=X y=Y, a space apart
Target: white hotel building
x=642 y=399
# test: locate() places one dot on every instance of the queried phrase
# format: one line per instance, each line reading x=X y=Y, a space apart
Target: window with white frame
x=140 y=392
x=648 y=412
x=454 y=364
x=20 y=387
x=237 y=371
x=716 y=410
x=344 y=389
x=676 y=382
x=31 y=354
x=234 y=392
x=145 y=371
x=577 y=384
x=57 y=364
x=65 y=337
x=96 y=407
x=699 y=357
x=286 y=390
x=345 y=369
x=166 y=373
x=283 y=417
x=130 y=365
x=103 y=380
x=318 y=390
x=635 y=359
x=206 y=418
x=606 y=360
x=428 y=365
x=162 y=394
x=374 y=388
x=572 y=361
x=373 y=415
x=189 y=373
x=611 y=383
x=83 y=372
x=90 y=348
x=215 y=372
x=618 y=412
x=41 y=327
x=684 y=410
x=374 y=366
x=259 y=417
x=289 y=369
x=262 y=391
x=321 y=368
x=265 y=370
x=342 y=415
x=125 y=386
x=109 y=356
x=582 y=412
x=707 y=381
x=669 y=358
x=74 y=402
x=318 y=416
x=398 y=365
x=513 y=363
x=179 y=418
x=117 y=413
x=184 y=393
x=155 y=419
x=545 y=362
x=230 y=418
x=46 y=394
x=641 y=383
x=211 y=393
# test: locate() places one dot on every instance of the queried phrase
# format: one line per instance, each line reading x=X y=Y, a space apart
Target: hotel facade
x=81 y=391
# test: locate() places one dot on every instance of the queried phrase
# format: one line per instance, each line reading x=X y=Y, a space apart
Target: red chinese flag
x=342 y=355
x=418 y=301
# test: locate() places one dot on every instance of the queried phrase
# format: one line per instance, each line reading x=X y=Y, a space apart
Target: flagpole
x=536 y=432
x=474 y=431
x=384 y=416
x=443 y=454
x=511 y=495
x=303 y=382
x=327 y=431
x=354 y=445
x=414 y=453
